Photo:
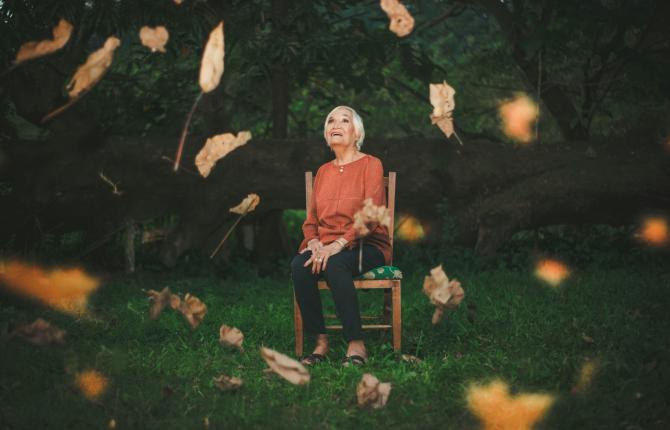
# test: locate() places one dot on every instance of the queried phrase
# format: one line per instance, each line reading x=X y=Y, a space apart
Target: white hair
x=358 y=125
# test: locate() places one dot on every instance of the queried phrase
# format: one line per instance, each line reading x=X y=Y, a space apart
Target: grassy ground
x=519 y=330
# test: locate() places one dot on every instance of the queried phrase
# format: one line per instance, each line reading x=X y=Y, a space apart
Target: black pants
x=342 y=268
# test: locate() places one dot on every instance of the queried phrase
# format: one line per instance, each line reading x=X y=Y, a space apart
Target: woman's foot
x=319 y=353
x=356 y=354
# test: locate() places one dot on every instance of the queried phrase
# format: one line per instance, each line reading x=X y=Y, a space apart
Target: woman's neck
x=345 y=155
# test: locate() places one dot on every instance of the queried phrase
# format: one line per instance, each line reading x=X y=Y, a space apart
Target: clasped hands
x=321 y=253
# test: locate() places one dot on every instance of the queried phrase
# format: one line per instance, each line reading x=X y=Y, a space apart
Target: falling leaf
x=218 y=147
x=442 y=292
x=66 y=290
x=231 y=336
x=372 y=393
x=518 y=116
x=191 y=307
x=154 y=38
x=111 y=424
x=442 y=99
x=586 y=374
x=178 y=2
x=654 y=231
x=497 y=410
x=227 y=383
x=551 y=271
x=402 y=22
x=160 y=300
x=211 y=67
x=94 y=68
x=29 y=50
x=247 y=205
x=411 y=359
x=286 y=367
x=92 y=384
x=370 y=215
x=410 y=229
x=40 y=332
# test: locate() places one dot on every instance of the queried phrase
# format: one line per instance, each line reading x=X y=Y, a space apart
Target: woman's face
x=340 y=128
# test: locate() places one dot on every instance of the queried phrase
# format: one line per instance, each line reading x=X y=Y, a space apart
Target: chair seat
x=382 y=272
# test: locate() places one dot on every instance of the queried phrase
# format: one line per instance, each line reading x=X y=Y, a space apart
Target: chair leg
x=388 y=306
x=397 y=318
x=297 y=320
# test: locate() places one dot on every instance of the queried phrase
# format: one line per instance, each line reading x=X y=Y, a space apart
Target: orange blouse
x=338 y=196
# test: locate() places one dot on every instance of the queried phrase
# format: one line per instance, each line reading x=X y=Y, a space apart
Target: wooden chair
x=391 y=314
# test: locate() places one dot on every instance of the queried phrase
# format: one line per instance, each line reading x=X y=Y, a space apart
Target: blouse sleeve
x=374 y=189
x=310 y=228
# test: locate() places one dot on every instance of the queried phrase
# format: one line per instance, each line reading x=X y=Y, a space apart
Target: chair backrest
x=389 y=184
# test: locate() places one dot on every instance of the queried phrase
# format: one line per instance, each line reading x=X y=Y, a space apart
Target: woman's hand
x=313 y=245
x=319 y=260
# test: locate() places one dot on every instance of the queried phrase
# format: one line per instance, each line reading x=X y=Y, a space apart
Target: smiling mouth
x=336 y=133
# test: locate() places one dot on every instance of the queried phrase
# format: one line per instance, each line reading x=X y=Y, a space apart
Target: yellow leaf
x=518 y=116
x=372 y=393
x=218 y=147
x=286 y=367
x=154 y=38
x=410 y=229
x=551 y=271
x=442 y=99
x=497 y=410
x=247 y=205
x=585 y=378
x=231 y=336
x=211 y=67
x=94 y=68
x=29 y=50
x=40 y=332
x=91 y=383
x=402 y=23
x=66 y=290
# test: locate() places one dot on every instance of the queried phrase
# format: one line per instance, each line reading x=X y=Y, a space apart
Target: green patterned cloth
x=383 y=272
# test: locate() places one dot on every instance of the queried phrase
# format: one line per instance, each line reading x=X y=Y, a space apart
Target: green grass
x=520 y=330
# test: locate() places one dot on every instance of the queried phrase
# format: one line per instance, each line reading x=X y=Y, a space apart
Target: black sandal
x=355 y=360
x=312 y=359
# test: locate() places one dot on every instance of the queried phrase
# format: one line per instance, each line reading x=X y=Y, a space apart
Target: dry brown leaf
x=92 y=384
x=518 y=116
x=29 y=50
x=154 y=38
x=227 y=383
x=494 y=406
x=211 y=67
x=286 y=367
x=66 y=290
x=442 y=99
x=402 y=23
x=370 y=215
x=231 y=336
x=411 y=359
x=442 y=292
x=40 y=332
x=218 y=147
x=586 y=374
x=247 y=205
x=160 y=300
x=94 y=68
x=191 y=307
x=551 y=271
x=372 y=393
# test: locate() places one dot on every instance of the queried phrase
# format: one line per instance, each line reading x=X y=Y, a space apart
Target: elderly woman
x=331 y=244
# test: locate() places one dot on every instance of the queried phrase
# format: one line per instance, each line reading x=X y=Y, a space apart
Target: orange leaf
x=247 y=205
x=211 y=67
x=442 y=99
x=372 y=393
x=160 y=300
x=402 y=23
x=154 y=38
x=218 y=147
x=494 y=406
x=286 y=367
x=552 y=272
x=191 y=307
x=88 y=74
x=231 y=336
x=66 y=290
x=40 y=332
x=29 y=50
x=654 y=231
x=91 y=383
x=518 y=116
x=410 y=229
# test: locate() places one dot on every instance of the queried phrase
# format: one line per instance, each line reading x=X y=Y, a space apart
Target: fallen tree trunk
x=492 y=189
